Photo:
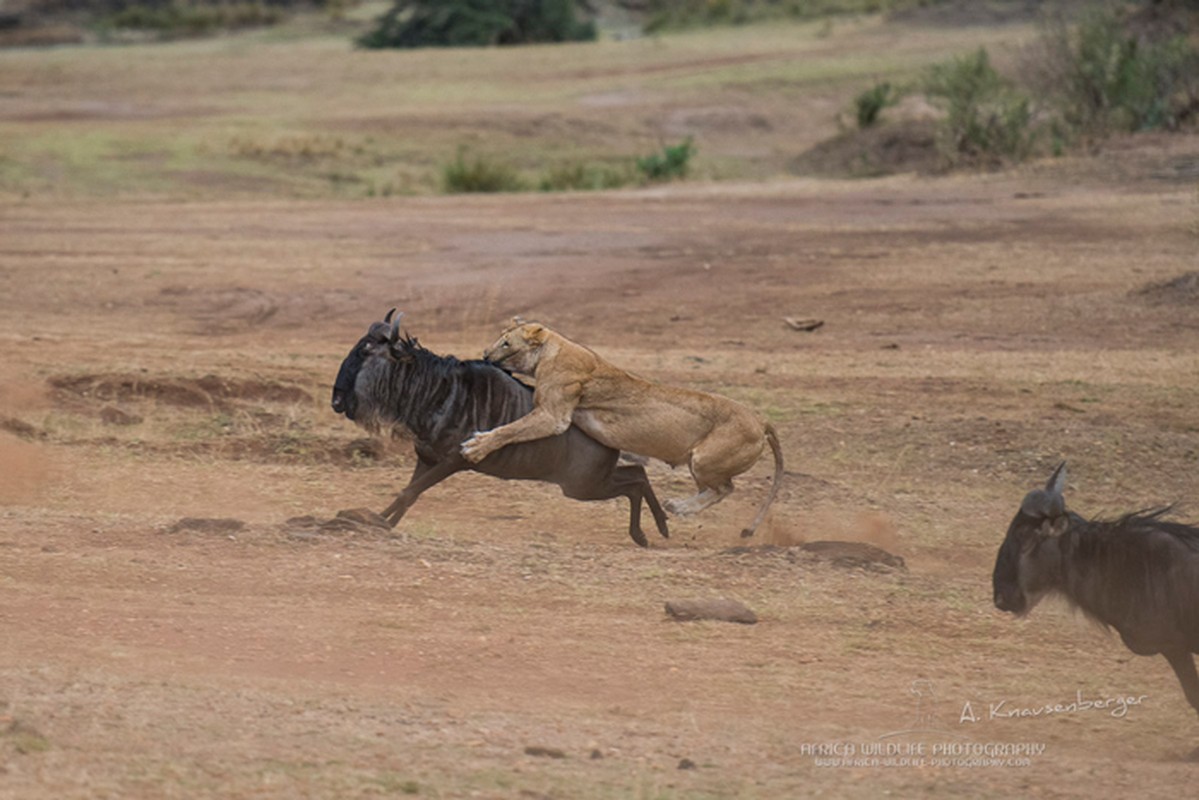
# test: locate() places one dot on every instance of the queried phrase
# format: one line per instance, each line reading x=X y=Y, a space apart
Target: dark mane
x=1138 y=524
x=1135 y=561
x=446 y=366
x=437 y=397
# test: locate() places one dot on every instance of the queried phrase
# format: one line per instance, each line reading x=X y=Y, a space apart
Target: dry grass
x=977 y=330
x=312 y=117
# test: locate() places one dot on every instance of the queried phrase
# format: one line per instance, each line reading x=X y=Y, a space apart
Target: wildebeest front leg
x=425 y=476
x=1184 y=667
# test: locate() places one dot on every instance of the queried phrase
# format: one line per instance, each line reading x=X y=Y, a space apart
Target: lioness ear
x=534 y=333
x=518 y=321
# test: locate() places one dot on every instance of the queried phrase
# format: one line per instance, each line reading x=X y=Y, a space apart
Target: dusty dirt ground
x=165 y=361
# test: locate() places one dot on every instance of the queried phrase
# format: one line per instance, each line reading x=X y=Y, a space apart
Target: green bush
x=986 y=119
x=870 y=103
x=674 y=14
x=672 y=162
x=1101 y=77
x=479 y=175
x=186 y=19
x=476 y=23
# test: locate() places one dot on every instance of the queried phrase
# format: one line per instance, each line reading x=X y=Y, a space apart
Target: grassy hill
x=297 y=111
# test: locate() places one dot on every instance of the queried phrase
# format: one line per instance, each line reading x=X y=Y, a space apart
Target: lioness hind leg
x=726 y=452
x=696 y=503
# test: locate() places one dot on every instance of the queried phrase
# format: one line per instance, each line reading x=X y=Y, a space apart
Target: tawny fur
x=717 y=438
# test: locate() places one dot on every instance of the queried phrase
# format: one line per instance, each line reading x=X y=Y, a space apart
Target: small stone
x=718 y=609
x=806 y=324
x=111 y=415
x=686 y=763
x=854 y=554
x=208 y=525
x=545 y=752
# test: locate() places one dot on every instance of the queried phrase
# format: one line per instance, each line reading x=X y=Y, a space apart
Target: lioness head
x=519 y=347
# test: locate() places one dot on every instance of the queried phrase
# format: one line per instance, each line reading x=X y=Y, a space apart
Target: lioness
x=716 y=437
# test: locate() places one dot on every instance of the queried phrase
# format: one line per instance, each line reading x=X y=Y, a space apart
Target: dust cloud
x=25 y=469
x=869 y=527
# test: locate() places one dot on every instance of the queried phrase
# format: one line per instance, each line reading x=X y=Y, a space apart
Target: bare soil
x=504 y=641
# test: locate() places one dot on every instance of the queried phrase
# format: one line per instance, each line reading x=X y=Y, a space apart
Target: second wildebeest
x=389 y=383
x=1138 y=574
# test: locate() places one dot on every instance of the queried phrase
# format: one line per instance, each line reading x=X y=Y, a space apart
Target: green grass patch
x=585 y=177
x=479 y=173
x=23 y=738
x=869 y=104
x=673 y=14
x=671 y=163
x=191 y=19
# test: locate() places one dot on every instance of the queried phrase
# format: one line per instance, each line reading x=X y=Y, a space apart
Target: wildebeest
x=1138 y=574
x=389 y=383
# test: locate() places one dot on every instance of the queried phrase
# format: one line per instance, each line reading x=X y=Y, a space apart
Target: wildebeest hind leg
x=425 y=476
x=628 y=481
x=713 y=471
x=655 y=507
x=637 y=488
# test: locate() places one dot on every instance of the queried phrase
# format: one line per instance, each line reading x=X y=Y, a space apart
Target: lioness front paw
x=475 y=448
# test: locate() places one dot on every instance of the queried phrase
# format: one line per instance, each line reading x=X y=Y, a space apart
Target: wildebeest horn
x=1057 y=482
x=1047 y=503
x=395 y=327
x=389 y=313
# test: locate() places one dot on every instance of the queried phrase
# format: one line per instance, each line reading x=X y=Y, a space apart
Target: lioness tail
x=773 y=438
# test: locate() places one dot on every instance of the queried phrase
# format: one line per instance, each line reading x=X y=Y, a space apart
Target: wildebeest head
x=380 y=341
x=1029 y=562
